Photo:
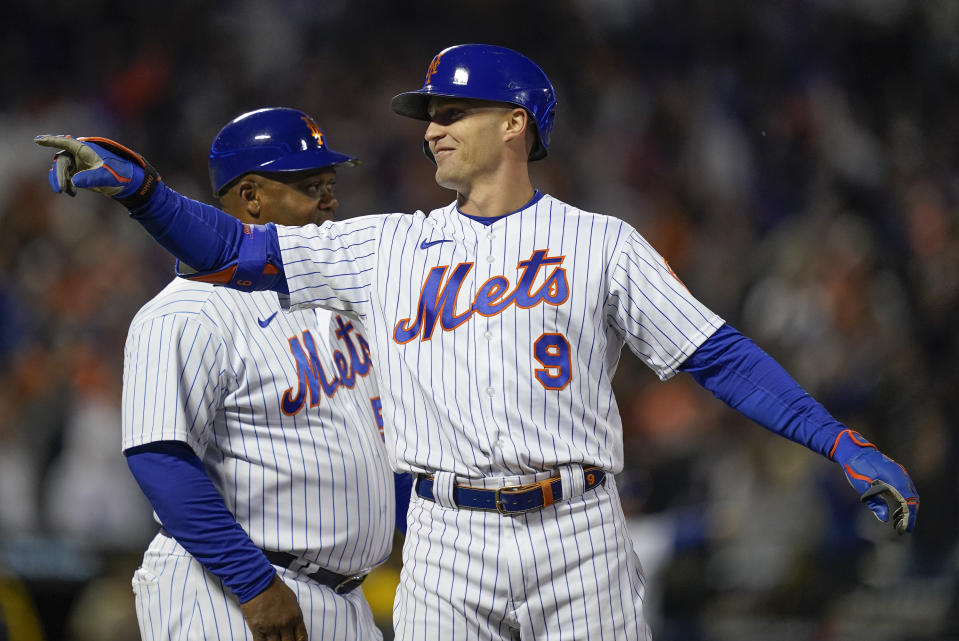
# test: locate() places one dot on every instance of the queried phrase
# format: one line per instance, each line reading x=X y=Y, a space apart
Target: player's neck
x=494 y=198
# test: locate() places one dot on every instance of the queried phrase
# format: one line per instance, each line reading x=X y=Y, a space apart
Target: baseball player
x=256 y=434
x=499 y=320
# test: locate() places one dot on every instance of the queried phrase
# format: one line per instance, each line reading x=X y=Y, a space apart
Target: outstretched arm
x=212 y=245
x=743 y=376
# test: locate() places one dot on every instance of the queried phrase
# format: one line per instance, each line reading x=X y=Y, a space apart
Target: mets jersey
x=282 y=409
x=499 y=342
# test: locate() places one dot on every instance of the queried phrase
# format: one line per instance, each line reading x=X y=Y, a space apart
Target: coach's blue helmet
x=486 y=72
x=274 y=139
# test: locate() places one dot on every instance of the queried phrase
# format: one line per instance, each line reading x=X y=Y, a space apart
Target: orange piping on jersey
x=217 y=278
x=669 y=268
x=225 y=275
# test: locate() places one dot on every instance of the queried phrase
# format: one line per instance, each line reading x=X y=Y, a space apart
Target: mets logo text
x=437 y=303
x=313 y=379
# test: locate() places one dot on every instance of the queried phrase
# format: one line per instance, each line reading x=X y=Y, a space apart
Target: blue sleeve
x=220 y=248
x=747 y=379
x=200 y=235
x=403 y=484
x=194 y=513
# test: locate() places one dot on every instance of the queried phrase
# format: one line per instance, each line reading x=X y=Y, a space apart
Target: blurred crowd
x=796 y=162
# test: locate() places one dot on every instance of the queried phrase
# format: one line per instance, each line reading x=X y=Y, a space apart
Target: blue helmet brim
x=414 y=104
x=311 y=159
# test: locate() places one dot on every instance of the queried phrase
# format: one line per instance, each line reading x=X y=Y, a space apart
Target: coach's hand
x=274 y=614
x=883 y=484
x=101 y=165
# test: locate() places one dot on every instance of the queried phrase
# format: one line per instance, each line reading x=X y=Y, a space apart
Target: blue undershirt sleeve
x=739 y=373
x=201 y=236
x=209 y=240
x=193 y=512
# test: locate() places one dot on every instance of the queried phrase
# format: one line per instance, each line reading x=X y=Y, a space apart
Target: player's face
x=465 y=138
x=299 y=198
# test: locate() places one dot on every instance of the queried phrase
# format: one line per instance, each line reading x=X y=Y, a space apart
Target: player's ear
x=517 y=127
x=516 y=121
x=249 y=194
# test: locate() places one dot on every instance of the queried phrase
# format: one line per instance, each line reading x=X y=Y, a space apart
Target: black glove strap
x=147 y=187
x=150 y=175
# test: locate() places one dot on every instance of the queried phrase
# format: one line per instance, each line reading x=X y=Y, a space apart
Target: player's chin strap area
x=511 y=499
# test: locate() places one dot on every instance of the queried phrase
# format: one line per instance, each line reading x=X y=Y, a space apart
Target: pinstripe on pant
x=565 y=572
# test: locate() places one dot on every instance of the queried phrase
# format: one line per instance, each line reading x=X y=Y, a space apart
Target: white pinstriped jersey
x=281 y=408
x=499 y=343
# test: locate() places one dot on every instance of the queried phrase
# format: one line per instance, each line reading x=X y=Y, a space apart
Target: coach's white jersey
x=497 y=344
x=281 y=408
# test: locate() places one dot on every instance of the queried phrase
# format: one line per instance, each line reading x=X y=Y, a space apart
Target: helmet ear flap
x=428 y=153
x=544 y=127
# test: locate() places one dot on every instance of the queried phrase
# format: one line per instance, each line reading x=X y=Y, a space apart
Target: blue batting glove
x=101 y=165
x=882 y=484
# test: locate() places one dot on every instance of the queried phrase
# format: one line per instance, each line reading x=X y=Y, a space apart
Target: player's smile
x=441 y=151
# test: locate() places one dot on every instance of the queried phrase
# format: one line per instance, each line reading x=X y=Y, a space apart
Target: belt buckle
x=517 y=489
x=349 y=584
x=498 y=502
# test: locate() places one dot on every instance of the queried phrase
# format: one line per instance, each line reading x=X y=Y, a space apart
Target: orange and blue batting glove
x=211 y=245
x=743 y=376
x=101 y=165
x=882 y=483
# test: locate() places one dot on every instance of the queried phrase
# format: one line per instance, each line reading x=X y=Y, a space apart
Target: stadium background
x=796 y=162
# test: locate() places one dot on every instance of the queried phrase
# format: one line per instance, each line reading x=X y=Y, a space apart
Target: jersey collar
x=537 y=194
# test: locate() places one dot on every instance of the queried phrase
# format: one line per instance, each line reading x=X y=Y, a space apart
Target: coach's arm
x=193 y=512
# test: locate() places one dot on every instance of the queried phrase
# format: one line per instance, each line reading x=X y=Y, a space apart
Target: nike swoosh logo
x=264 y=323
x=426 y=244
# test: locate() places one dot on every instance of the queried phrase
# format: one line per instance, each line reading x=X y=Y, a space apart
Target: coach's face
x=297 y=198
x=465 y=138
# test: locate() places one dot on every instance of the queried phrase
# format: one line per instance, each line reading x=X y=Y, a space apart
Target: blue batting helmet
x=274 y=139
x=486 y=72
